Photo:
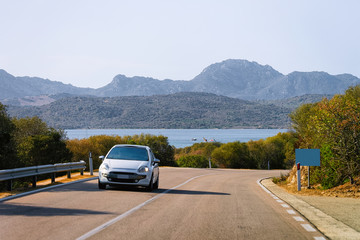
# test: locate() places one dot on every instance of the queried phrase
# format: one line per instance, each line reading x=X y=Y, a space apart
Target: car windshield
x=129 y=153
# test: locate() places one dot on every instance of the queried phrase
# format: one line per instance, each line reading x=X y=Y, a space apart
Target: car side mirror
x=102 y=158
x=156 y=160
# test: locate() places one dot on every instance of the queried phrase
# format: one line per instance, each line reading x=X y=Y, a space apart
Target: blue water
x=183 y=137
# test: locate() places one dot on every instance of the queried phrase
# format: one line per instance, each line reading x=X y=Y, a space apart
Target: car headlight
x=104 y=167
x=143 y=169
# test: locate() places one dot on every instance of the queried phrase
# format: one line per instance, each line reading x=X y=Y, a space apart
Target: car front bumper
x=124 y=178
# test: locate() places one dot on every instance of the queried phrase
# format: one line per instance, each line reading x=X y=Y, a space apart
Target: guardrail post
x=34 y=181
x=91 y=165
x=53 y=177
x=69 y=174
x=9 y=185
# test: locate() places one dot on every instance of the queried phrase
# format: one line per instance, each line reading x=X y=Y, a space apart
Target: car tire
x=150 y=187
x=101 y=185
x=156 y=184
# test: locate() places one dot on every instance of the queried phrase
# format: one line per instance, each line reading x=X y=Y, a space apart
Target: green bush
x=101 y=144
x=193 y=161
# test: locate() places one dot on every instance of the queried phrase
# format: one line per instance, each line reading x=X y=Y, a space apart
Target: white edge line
x=264 y=188
x=129 y=212
x=292 y=212
x=298 y=219
x=308 y=227
x=43 y=189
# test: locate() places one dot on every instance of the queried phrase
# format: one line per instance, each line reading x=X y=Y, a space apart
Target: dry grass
x=346 y=190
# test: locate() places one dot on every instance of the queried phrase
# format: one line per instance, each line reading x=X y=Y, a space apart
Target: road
x=190 y=204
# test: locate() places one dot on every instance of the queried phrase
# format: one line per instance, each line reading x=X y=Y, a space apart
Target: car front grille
x=125 y=177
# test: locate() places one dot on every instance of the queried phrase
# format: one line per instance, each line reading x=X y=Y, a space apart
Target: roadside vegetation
x=331 y=125
x=101 y=144
x=275 y=152
x=29 y=142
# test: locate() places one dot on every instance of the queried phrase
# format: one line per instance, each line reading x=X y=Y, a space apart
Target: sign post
x=91 y=164
x=298 y=177
x=307 y=157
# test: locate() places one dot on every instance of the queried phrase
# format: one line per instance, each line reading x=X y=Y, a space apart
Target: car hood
x=125 y=164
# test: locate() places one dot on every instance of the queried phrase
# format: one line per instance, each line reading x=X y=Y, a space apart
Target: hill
x=180 y=110
x=295 y=102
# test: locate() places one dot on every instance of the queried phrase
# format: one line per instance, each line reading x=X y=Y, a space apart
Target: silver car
x=129 y=165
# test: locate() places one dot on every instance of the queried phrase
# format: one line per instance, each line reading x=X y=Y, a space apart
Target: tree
x=7 y=144
x=278 y=151
x=38 y=144
x=338 y=124
x=232 y=155
x=44 y=149
x=193 y=161
x=333 y=126
x=26 y=127
x=101 y=144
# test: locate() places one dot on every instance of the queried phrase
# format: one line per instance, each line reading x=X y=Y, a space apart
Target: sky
x=88 y=42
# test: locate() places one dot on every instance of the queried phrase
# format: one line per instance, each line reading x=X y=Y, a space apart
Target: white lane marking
x=285 y=205
x=280 y=201
x=292 y=212
x=319 y=238
x=276 y=198
x=299 y=219
x=308 y=227
x=129 y=212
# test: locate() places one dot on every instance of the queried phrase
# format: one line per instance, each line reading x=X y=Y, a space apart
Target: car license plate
x=122 y=176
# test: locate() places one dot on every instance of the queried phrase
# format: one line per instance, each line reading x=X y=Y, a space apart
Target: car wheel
x=101 y=185
x=151 y=185
x=156 y=184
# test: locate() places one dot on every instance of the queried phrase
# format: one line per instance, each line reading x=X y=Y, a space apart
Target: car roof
x=131 y=145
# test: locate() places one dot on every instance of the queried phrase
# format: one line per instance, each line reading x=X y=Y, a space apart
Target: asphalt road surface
x=189 y=204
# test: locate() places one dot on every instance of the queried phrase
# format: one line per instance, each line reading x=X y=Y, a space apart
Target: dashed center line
x=285 y=205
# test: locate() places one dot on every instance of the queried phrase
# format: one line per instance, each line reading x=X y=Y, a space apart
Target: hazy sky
x=88 y=42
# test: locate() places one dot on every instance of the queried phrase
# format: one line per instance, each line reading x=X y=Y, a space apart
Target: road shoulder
x=328 y=225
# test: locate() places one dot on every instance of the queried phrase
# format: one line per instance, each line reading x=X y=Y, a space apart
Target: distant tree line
x=99 y=145
x=275 y=152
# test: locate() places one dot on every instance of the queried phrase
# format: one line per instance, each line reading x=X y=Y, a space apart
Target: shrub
x=193 y=161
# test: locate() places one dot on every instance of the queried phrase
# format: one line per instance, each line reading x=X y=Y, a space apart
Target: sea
x=181 y=138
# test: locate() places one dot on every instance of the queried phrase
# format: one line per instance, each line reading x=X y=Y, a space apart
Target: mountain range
x=232 y=78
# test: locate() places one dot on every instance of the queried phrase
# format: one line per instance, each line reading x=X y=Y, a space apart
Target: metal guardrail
x=10 y=174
